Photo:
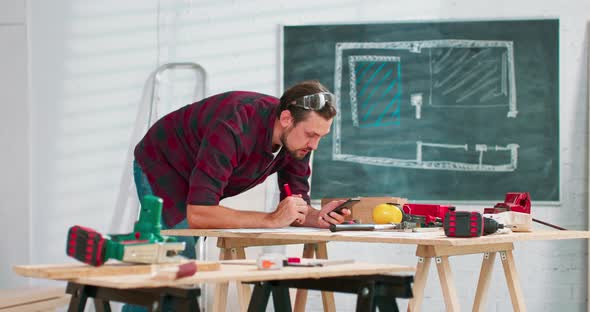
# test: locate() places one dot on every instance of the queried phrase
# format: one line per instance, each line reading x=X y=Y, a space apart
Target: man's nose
x=313 y=144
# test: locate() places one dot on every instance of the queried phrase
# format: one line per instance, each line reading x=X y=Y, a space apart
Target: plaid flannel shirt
x=216 y=148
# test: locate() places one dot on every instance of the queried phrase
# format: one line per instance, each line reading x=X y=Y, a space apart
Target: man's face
x=304 y=137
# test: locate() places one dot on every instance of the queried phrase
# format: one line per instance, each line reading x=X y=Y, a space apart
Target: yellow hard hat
x=387 y=213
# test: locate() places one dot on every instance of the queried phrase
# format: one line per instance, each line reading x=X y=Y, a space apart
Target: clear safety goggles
x=315 y=101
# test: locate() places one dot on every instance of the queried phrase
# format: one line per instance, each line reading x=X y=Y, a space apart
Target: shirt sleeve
x=296 y=173
x=216 y=160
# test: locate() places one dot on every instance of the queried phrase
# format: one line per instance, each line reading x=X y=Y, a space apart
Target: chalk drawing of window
x=440 y=78
x=375 y=89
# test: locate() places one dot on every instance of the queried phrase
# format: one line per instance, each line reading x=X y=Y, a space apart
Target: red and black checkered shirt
x=216 y=148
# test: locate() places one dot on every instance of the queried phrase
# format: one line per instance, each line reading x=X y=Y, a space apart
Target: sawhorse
x=373 y=291
x=181 y=299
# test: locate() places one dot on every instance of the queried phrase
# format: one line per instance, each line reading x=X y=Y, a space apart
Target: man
x=228 y=143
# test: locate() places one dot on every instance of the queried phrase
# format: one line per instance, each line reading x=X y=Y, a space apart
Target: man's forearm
x=220 y=217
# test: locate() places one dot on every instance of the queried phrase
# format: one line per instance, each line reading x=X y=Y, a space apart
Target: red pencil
x=287 y=189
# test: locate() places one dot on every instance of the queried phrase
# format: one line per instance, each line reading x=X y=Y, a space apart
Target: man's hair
x=300 y=90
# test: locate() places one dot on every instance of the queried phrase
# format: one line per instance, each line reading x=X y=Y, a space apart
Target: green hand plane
x=143 y=245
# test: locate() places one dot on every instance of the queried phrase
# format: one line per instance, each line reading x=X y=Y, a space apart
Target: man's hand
x=289 y=210
x=324 y=217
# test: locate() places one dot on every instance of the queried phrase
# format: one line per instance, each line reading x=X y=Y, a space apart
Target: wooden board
x=32 y=299
x=226 y=273
x=75 y=271
x=46 y=305
x=249 y=273
x=428 y=238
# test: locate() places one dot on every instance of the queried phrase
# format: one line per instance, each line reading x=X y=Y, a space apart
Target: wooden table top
x=436 y=238
x=227 y=272
x=22 y=298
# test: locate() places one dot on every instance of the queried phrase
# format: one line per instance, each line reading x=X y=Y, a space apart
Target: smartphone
x=346 y=205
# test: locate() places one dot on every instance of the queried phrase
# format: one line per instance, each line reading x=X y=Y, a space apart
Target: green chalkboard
x=434 y=110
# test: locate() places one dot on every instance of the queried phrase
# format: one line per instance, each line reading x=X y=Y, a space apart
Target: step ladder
x=167 y=88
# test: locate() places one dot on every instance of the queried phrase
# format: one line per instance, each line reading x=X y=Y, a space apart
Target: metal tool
x=390 y=213
x=306 y=262
x=372 y=227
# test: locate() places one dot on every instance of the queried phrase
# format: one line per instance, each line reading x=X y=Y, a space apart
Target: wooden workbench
x=226 y=273
x=429 y=246
x=111 y=277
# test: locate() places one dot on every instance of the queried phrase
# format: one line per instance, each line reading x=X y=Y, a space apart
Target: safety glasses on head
x=315 y=101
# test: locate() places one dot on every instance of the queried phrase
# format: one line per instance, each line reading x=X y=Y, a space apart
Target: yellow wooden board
x=226 y=273
x=424 y=238
x=75 y=271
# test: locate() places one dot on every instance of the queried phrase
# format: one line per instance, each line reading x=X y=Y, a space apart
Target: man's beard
x=292 y=152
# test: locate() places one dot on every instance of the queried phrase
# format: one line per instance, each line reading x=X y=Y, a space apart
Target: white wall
x=89 y=61
x=14 y=142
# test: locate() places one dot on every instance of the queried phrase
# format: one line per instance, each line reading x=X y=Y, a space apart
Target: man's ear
x=286 y=119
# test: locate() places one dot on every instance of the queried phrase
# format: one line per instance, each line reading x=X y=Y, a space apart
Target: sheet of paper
x=392 y=234
x=290 y=229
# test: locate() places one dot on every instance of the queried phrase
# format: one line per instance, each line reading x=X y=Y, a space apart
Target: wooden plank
x=220 y=299
x=420 y=238
x=246 y=273
x=244 y=290
x=512 y=281
x=445 y=275
x=50 y=304
x=420 y=278
x=75 y=271
x=221 y=241
x=435 y=251
x=301 y=295
x=327 y=297
x=232 y=242
x=16 y=297
x=483 y=283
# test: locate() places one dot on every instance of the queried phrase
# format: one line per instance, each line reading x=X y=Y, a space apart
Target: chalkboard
x=462 y=110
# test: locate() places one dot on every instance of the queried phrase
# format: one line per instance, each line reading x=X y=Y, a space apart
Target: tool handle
x=352 y=227
x=174 y=273
x=549 y=224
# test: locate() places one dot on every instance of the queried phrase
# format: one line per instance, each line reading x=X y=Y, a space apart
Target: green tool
x=144 y=245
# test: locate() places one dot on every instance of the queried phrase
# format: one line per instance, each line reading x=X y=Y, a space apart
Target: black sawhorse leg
x=174 y=299
x=373 y=291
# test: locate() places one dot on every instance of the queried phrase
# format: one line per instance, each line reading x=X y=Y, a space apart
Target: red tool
x=144 y=245
x=518 y=202
x=432 y=212
x=469 y=224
